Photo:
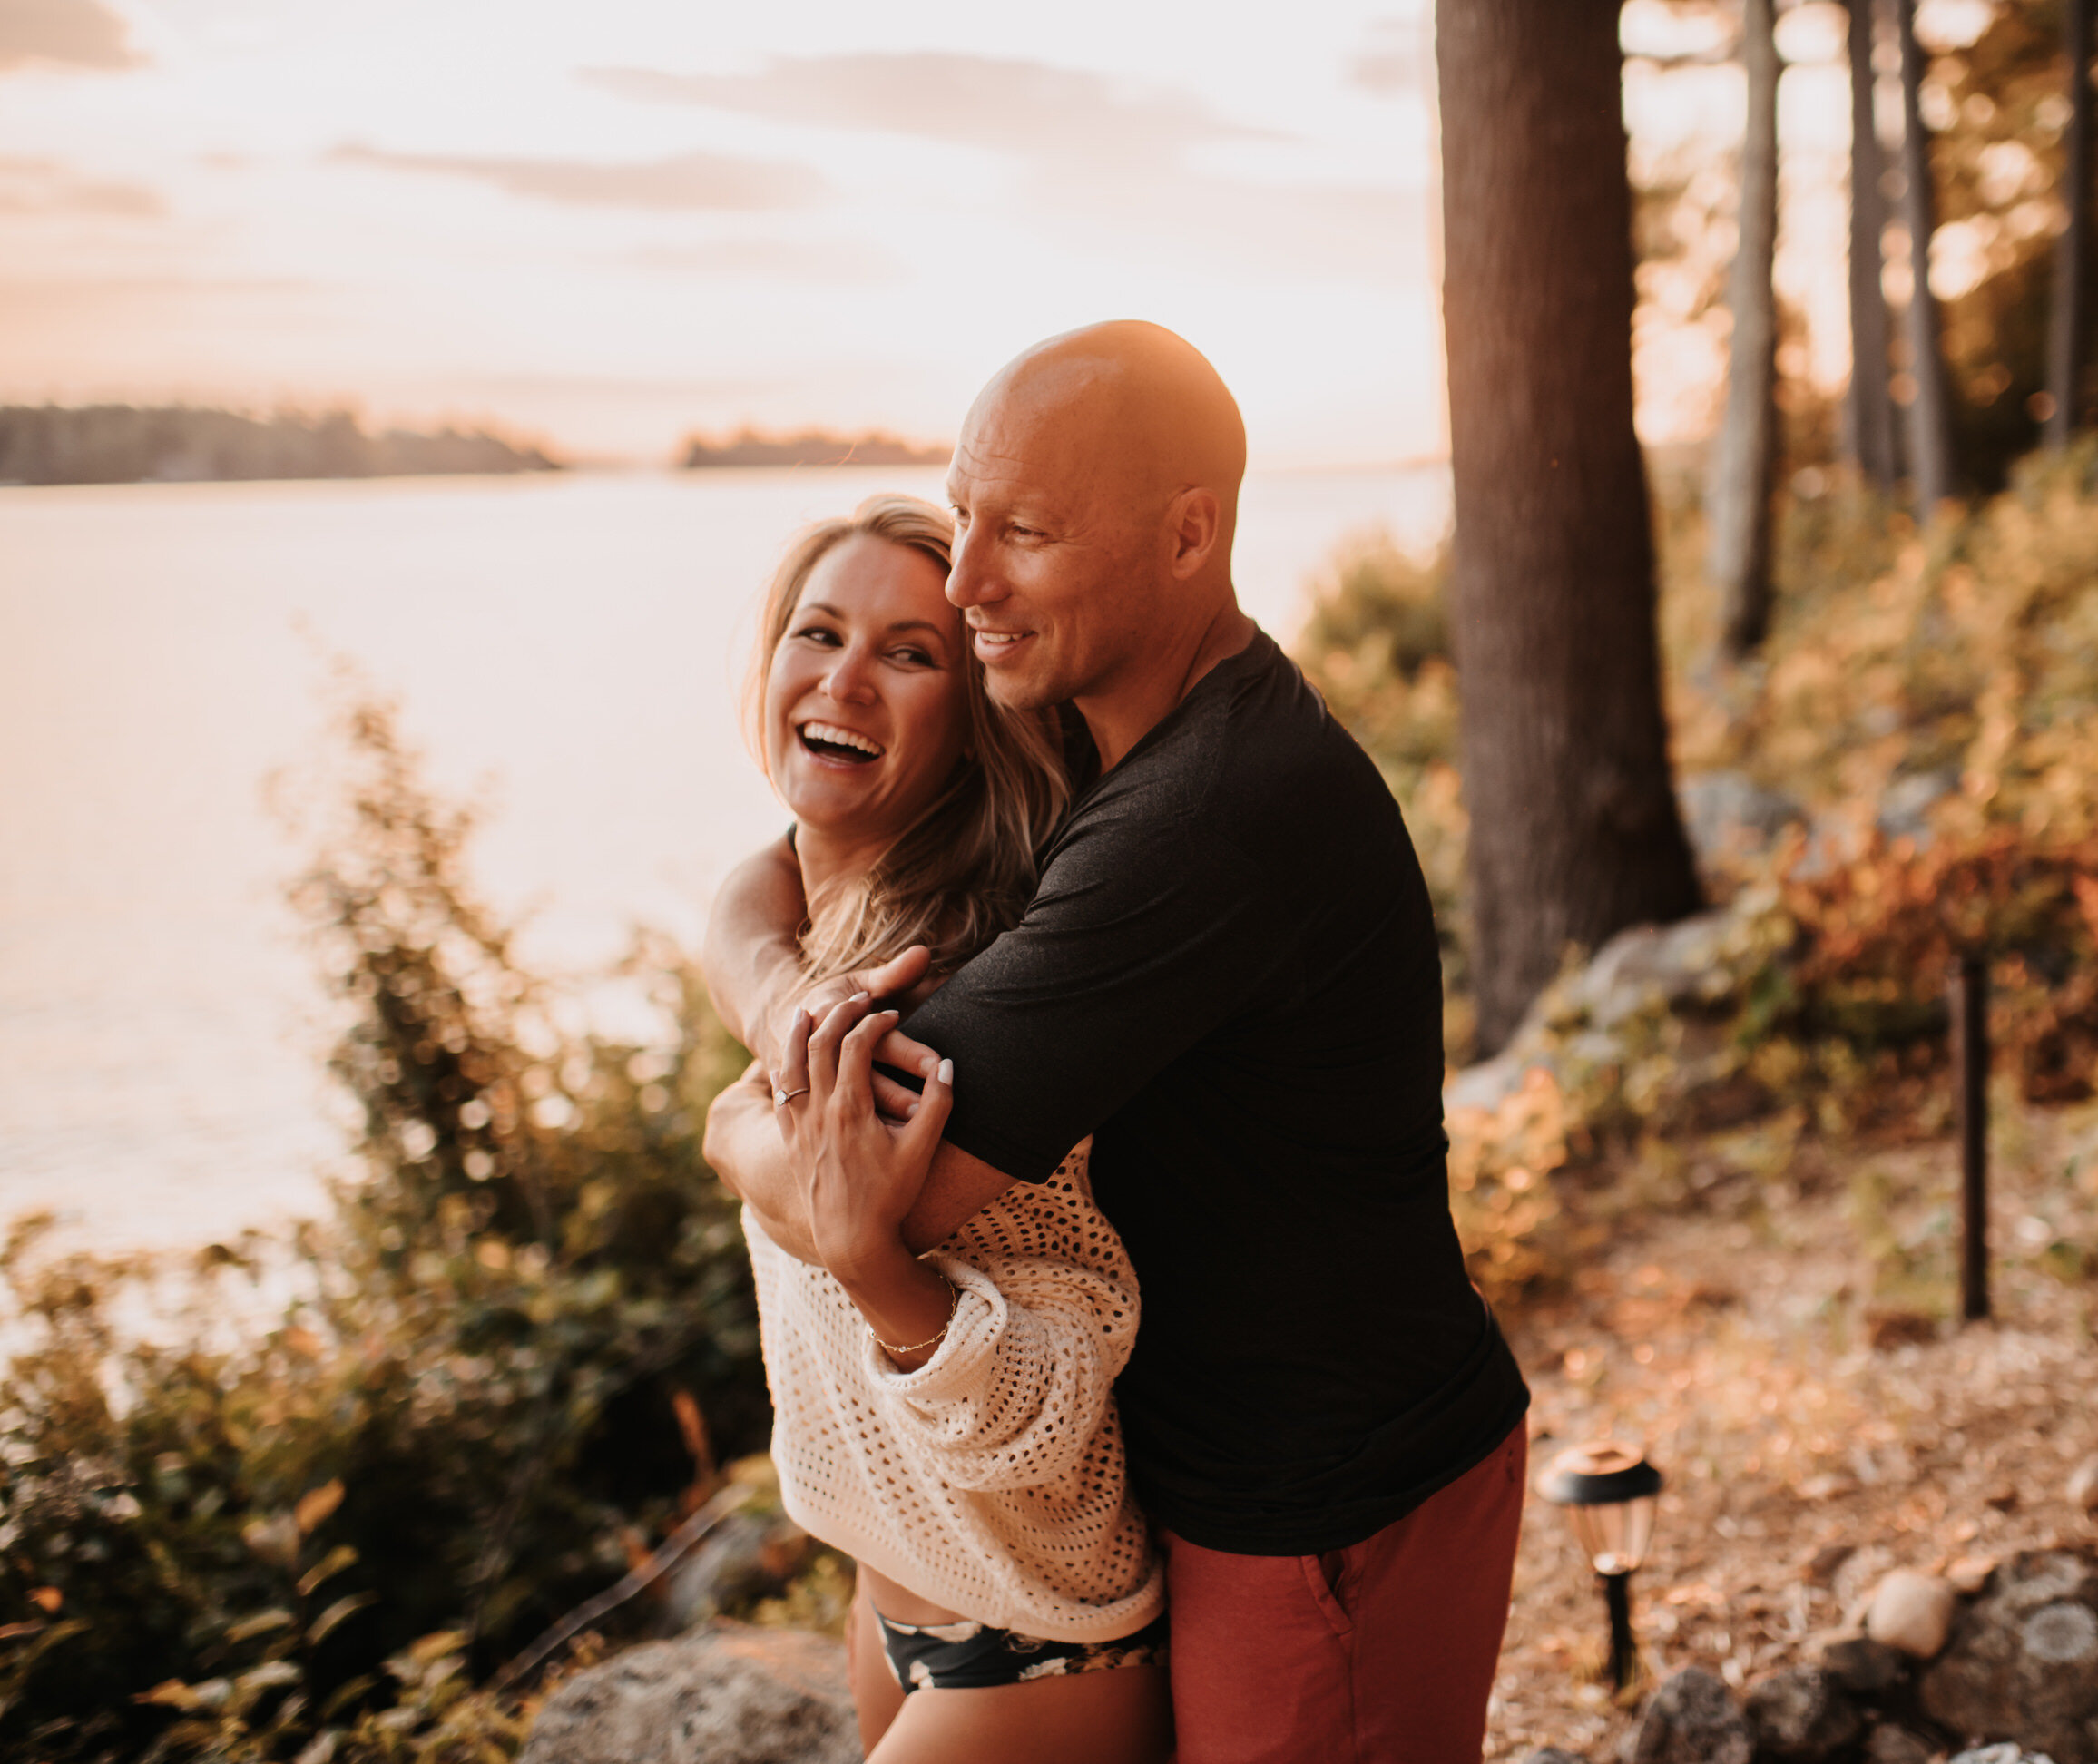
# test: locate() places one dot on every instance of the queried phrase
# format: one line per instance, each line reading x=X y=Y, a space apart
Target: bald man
x=1229 y=976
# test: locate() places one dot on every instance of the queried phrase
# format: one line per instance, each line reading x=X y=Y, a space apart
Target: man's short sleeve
x=1143 y=937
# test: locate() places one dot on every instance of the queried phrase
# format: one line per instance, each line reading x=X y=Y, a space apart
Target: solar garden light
x=1609 y=1492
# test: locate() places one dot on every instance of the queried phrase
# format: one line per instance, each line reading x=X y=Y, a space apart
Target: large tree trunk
x=1869 y=411
x=1930 y=410
x=1574 y=832
x=2072 y=250
x=1737 y=489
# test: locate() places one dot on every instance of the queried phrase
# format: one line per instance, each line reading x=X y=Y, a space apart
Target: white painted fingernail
x=858 y=998
x=947 y=1071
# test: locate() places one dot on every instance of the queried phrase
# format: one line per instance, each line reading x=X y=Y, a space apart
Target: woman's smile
x=838 y=745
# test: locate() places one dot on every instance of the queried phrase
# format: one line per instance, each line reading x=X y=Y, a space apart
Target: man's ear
x=1193 y=521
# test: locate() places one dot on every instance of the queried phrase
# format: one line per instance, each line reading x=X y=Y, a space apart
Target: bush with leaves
x=510 y=1358
x=1961 y=661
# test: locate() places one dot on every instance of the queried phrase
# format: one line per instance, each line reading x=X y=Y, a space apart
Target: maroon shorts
x=1380 y=1652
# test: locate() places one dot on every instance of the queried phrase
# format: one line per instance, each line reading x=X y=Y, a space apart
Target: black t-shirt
x=1230 y=977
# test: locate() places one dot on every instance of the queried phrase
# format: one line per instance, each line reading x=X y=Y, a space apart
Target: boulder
x=731 y=1694
x=1862 y=1667
x=2005 y=1754
x=1912 y=1612
x=1728 y=815
x=2023 y=1665
x=1801 y=1715
x=1893 y=1745
x=1691 y=1720
x=747 y=1555
x=1905 y=805
x=1672 y=965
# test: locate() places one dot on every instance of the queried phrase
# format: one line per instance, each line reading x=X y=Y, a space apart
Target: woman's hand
x=860 y=1172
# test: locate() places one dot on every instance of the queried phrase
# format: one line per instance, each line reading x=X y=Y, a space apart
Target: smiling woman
x=860 y=709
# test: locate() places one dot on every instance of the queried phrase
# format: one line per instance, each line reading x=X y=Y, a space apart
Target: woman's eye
x=817 y=634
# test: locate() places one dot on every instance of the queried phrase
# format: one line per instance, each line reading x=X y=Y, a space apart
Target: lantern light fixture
x=1610 y=1491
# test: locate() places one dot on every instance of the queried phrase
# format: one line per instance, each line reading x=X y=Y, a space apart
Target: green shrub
x=319 y=1532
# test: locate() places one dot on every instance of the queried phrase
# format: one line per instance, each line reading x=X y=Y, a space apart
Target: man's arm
x=751 y=960
x=752 y=956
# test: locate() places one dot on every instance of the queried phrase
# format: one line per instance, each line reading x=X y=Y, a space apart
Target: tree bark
x=1574 y=830
x=1737 y=489
x=1869 y=411
x=2072 y=250
x=1930 y=410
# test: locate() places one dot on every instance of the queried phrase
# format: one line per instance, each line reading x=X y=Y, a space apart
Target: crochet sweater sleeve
x=1020 y=1382
x=991 y=1479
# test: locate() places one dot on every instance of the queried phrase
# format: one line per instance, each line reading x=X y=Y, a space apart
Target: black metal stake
x=1970 y=1032
x=1624 y=1651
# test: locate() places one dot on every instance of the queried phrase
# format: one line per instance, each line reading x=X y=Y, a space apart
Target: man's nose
x=970 y=580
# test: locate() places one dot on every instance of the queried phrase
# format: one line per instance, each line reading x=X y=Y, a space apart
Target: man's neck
x=1118 y=719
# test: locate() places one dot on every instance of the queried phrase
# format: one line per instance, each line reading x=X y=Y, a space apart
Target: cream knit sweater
x=991 y=1479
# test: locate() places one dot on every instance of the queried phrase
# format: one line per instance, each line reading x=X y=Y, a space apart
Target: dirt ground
x=1782 y=1346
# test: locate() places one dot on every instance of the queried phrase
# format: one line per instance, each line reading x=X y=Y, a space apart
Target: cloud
x=844 y=261
x=1398 y=57
x=1099 y=158
x=689 y=181
x=65 y=34
x=975 y=101
x=42 y=186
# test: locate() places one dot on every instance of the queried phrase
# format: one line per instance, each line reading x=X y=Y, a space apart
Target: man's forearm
x=751 y=956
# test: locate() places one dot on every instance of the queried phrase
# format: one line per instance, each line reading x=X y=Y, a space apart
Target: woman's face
x=865 y=701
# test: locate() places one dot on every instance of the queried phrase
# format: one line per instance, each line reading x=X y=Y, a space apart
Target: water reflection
x=567 y=647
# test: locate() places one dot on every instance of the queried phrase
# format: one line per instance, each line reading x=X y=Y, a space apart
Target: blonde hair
x=964 y=869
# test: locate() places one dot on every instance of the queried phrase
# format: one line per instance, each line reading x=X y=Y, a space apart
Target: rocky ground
x=1782 y=1347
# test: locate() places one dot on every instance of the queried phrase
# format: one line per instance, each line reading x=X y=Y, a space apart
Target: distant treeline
x=810 y=447
x=120 y=444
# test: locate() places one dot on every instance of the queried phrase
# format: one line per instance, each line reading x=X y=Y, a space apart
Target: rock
x=1729 y=815
x=2082 y=1490
x=1491 y=1082
x=1821 y=1568
x=727 y=1695
x=1802 y=1716
x=747 y=1555
x=1691 y=1720
x=1912 y=1612
x=1906 y=804
x=1969 y=1574
x=2005 y=1754
x=1674 y=965
x=2024 y=1663
x=1862 y=1667
x=1893 y=1745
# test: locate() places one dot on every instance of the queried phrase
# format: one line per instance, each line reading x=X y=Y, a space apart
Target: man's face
x=1057 y=544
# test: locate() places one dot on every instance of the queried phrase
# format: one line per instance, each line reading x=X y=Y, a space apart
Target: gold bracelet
x=954 y=1305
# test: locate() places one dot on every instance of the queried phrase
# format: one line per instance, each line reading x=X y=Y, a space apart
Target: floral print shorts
x=971 y=1656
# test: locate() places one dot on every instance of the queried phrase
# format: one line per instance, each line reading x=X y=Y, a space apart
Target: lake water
x=568 y=646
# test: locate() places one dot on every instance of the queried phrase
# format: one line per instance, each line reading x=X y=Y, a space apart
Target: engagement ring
x=782 y=1098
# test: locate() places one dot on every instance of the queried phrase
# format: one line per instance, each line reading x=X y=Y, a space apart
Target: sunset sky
x=612 y=224
x=616 y=221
